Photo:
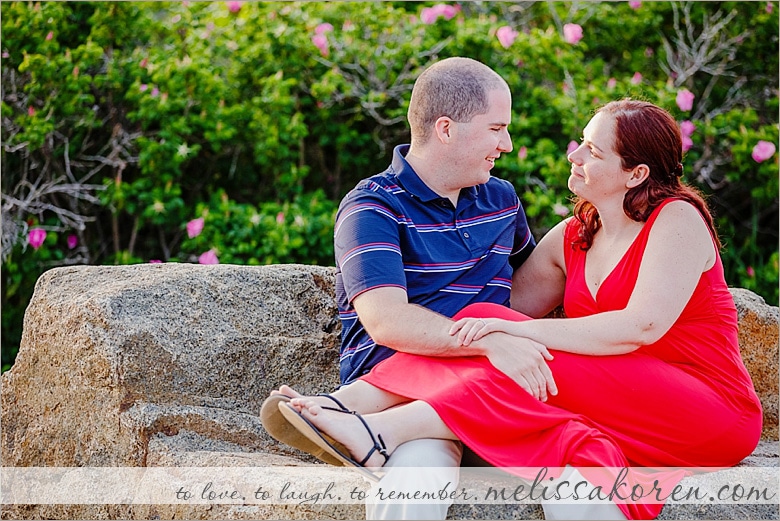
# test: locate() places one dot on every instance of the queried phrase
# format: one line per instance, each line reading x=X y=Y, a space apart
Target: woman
x=646 y=363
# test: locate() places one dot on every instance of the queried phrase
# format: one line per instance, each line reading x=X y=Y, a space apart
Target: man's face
x=482 y=140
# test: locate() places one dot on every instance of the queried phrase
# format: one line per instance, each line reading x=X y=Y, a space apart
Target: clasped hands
x=521 y=359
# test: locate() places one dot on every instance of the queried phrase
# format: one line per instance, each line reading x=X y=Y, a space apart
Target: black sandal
x=332 y=447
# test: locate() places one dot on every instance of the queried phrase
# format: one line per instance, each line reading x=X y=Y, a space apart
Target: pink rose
x=208 y=257
x=194 y=227
x=506 y=36
x=35 y=237
x=560 y=210
x=687 y=128
x=429 y=15
x=323 y=28
x=320 y=41
x=522 y=153
x=685 y=99
x=572 y=33
x=687 y=143
x=763 y=151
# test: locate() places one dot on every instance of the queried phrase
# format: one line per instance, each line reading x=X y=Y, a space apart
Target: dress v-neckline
x=594 y=296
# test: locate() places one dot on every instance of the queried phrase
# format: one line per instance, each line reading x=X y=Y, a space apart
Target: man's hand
x=522 y=360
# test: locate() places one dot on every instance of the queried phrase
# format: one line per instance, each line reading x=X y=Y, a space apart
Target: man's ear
x=444 y=128
x=638 y=175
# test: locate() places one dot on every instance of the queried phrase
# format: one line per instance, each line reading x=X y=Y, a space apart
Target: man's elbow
x=380 y=331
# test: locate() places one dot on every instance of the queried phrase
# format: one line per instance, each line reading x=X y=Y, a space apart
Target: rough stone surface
x=168 y=364
x=759 y=341
x=112 y=355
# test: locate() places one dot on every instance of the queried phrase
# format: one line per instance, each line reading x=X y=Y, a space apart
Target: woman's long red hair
x=644 y=134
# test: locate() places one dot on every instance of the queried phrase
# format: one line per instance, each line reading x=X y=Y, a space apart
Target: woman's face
x=596 y=170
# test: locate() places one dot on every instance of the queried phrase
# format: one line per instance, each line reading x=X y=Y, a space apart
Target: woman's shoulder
x=680 y=222
x=678 y=212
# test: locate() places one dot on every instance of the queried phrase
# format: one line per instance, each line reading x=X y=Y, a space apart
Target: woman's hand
x=471 y=329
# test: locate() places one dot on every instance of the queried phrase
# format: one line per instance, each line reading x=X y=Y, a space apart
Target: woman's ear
x=638 y=175
x=443 y=128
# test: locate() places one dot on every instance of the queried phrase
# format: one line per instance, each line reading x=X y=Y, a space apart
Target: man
x=420 y=241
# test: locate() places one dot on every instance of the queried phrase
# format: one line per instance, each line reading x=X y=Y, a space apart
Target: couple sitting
x=645 y=369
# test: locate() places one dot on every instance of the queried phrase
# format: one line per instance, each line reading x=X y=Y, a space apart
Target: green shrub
x=122 y=121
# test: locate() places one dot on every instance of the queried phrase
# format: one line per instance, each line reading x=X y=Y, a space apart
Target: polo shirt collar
x=412 y=183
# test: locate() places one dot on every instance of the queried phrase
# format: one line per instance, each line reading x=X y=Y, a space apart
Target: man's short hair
x=454 y=87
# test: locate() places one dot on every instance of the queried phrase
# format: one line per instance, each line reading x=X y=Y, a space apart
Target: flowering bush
x=228 y=131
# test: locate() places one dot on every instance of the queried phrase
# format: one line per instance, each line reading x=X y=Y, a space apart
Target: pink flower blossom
x=155 y=92
x=234 y=6
x=31 y=111
x=687 y=128
x=685 y=99
x=143 y=63
x=320 y=41
x=73 y=241
x=155 y=261
x=611 y=83
x=35 y=237
x=560 y=210
x=636 y=79
x=429 y=15
x=687 y=143
x=635 y=4
x=194 y=227
x=769 y=7
x=50 y=36
x=506 y=36
x=323 y=28
x=751 y=272
x=143 y=87
x=208 y=257
x=649 y=52
x=5 y=54
x=522 y=153
x=763 y=151
x=280 y=218
x=573 y=145
x=572 y=33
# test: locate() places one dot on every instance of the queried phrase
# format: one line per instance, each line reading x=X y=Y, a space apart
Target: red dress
x=684 y=401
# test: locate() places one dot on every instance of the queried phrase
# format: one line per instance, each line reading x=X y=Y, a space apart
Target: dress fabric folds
x=684 y=401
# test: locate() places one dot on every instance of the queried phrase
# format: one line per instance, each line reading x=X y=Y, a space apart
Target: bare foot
x=286 y=390
x=347 y=429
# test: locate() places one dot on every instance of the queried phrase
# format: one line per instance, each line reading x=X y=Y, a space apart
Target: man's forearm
x=413 y=329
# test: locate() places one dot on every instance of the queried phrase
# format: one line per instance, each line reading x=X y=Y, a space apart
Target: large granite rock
x=168 y=364
x=111 y=356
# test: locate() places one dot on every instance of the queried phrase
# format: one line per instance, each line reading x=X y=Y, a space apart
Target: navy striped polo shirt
x=392 y=230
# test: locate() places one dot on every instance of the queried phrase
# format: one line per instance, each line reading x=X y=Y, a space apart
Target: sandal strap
x=379 y=443
x=342 y=408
